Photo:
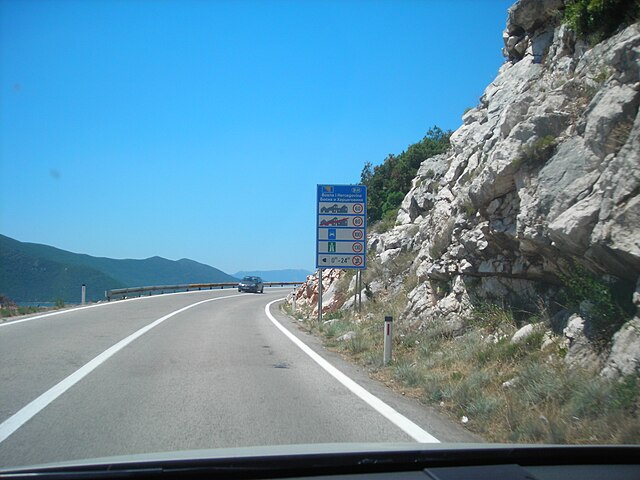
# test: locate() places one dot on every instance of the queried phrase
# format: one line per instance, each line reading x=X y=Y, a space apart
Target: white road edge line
x=22 y=416
x=395 y=417
x=96 y=305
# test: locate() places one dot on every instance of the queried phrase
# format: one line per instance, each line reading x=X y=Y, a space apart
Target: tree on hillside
x=389 y=182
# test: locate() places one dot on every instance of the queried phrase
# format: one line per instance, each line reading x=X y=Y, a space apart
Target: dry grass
x=464 y=375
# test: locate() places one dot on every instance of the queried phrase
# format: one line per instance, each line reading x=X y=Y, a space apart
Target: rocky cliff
x=536 y=204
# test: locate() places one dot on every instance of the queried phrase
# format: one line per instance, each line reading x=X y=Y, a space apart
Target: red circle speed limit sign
x=358 y=208
x=357 y=247
x=357 y=260
x=358 y=221
x=357 y=234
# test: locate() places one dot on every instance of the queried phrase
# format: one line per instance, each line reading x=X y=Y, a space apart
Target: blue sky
x=200 y=129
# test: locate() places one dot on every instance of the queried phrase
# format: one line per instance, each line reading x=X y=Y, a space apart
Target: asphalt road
x=217 y=374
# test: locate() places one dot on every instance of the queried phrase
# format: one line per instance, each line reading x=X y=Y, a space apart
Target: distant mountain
x=276 y=275
x=31 y=272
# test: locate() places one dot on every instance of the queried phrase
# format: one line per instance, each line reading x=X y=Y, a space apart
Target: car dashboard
x=424 y=463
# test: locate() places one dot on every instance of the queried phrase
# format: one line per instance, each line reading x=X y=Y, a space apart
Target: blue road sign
x=341 y=228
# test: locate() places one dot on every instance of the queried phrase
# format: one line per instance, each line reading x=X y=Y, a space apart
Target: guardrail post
x=388 y=338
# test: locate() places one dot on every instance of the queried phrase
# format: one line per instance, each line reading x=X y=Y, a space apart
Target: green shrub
x=387 y=222
x=604 y=313
x=537 y=153
x=469 y=209
x=493 y=318
x=626 y=393
x=540 y=383
x=432 y=384
x=407 y=374
x=357 y=345
x=596 y=20
x=484 y=407
x=590 y=399
x=389 y=182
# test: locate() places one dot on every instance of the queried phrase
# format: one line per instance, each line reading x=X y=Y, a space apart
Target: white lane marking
x=77 y=309
x=27 y=412
x=395 y=417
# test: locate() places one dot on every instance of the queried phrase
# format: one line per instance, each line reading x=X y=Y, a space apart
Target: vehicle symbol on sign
x=358 y=221
x=357 y=260
x=331 y=234
x=335 y=221
x=357 y=234
x=357 y=247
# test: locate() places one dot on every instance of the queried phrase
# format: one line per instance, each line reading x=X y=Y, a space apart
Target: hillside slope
x=535 y=208
x=31 y=272
x=27 y=276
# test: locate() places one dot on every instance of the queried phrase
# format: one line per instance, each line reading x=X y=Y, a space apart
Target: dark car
x=251 y=284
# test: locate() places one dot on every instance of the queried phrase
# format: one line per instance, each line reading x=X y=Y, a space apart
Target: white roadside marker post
x=293 y=302
x=388 y=338
x=84 y=293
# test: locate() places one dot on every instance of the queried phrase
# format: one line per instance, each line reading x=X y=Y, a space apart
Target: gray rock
x=351 y=302
x=527 y=15
x=523 y=333
x=624 y=358
x=499 y=213
x=548 y=341
x=350 y=335
x=580 y=352
x=510 y=383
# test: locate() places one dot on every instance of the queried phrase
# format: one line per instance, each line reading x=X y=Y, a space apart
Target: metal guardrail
x=138 y=291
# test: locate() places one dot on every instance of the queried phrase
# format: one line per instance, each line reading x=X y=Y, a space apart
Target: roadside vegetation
x=10 y=309
x=388 y=183
x=504 y=391
x=597 y=20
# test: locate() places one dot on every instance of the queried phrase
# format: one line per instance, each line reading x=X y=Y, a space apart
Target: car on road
x=251 y=284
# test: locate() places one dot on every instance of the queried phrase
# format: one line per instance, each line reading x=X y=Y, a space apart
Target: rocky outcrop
x=543 y=172
x=306 y=297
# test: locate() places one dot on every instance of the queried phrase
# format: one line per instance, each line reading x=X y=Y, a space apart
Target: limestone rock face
x=544 y=170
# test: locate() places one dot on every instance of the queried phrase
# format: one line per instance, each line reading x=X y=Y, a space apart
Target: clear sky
x=200 y=129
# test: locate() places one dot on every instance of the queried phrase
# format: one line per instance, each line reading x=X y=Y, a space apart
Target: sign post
x=319 y=295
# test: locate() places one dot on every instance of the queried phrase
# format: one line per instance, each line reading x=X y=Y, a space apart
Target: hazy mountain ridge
x=31 y=272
